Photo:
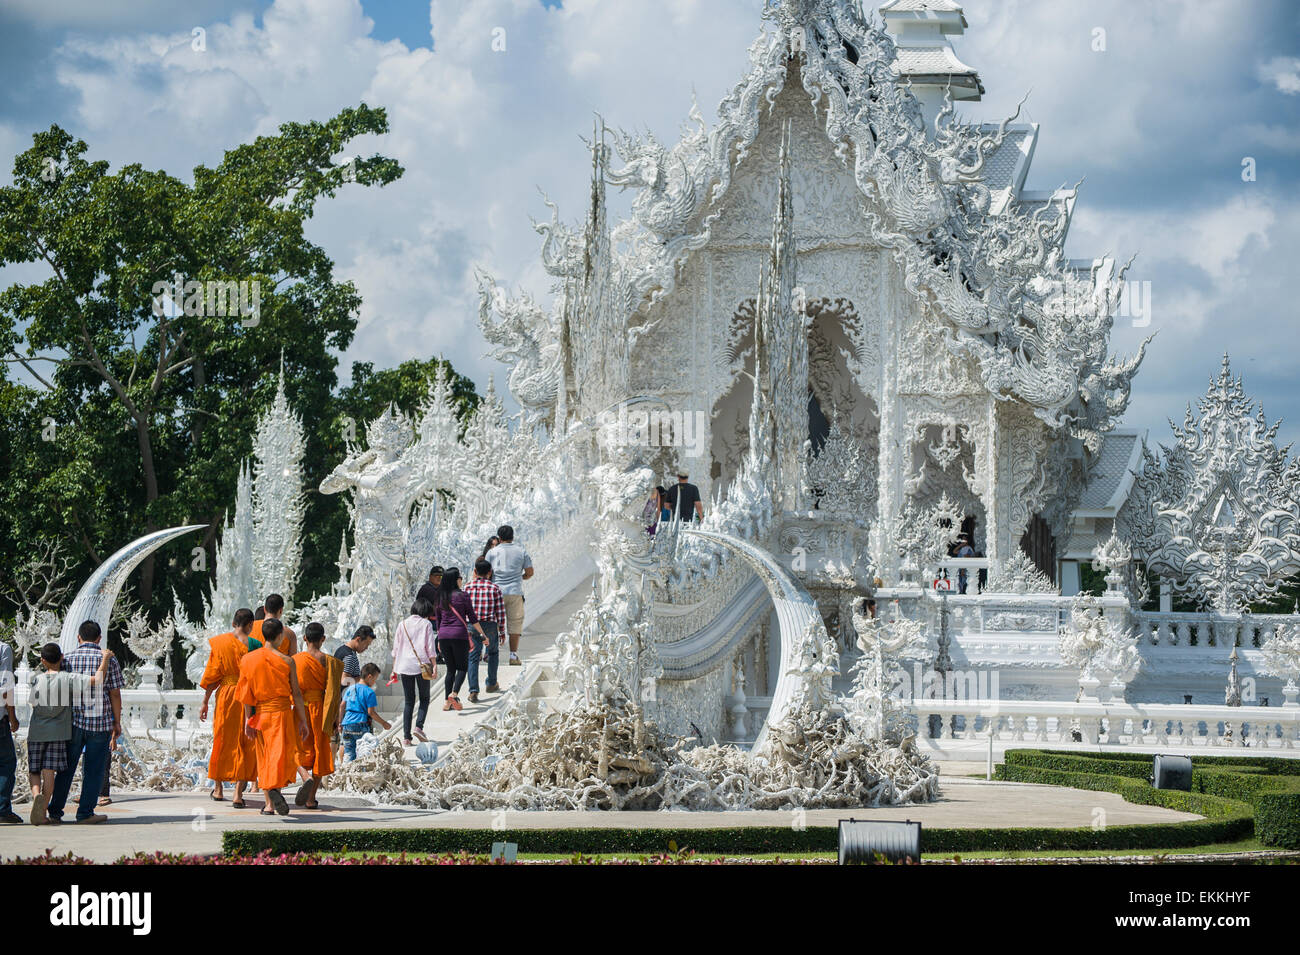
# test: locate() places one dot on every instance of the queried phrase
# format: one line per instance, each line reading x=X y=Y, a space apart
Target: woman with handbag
x=456 y=619
x=413 y=661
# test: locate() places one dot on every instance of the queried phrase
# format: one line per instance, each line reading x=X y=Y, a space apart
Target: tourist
x=964 y=549
x=684 y=500
x=429 y=589
x=268 y=683
x=319 y=679
x=8 y=727
x=362 y=637
x=413 y=653
x=654 y=506
x=490 y=608
x=511 y=566
x=491 y=542
x=665 y=512
x=50 y=729
x=274 y=607
x=233 y=757
x=455 y=617
x=360 y=706
x=96 y=725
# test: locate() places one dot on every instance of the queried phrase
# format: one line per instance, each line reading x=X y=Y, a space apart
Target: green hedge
x=1235 y=797
x=1268 y=786
x=739 y=841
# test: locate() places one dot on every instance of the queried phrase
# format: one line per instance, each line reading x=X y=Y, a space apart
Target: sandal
x=215 y=798
x=239 y=804
x=276 y=798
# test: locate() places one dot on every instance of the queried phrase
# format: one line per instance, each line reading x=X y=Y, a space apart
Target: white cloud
x=1283 y=72
x=478 y=131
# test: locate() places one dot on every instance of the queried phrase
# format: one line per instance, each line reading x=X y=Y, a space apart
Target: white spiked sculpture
x=278 y=502
x=96 y=598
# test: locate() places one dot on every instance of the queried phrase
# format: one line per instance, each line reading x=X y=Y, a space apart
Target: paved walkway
x=536 y=648
x=192 y=823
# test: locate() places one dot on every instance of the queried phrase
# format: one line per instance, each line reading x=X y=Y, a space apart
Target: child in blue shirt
x=360 y=706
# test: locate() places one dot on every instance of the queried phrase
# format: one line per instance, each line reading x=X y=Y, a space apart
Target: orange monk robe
x=314 y=679
x=264 y=683
x=256 y=634
x=232 y=752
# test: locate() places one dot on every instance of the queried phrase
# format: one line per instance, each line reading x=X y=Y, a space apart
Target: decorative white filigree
x=1019 y=575
x=1113 y=556
x=1281 y=655
x=1105 y=653
x=1219 y=516
x=278 y=503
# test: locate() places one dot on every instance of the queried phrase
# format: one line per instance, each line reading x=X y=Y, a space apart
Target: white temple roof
x=895 y=8
x=1004 y=171
x=925 y=56
x=1111 y=477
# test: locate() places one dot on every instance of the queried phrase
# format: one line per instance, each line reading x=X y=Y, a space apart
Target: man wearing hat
x=684 y=500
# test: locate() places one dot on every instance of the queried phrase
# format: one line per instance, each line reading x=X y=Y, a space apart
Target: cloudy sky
x=1158 y=124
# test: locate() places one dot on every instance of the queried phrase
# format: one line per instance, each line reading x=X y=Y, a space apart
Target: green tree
x=153 y=400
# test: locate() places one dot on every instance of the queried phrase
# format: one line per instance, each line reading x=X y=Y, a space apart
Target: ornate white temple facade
x=841 y=312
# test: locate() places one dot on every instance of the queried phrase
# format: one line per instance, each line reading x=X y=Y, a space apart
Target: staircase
x=536 y=682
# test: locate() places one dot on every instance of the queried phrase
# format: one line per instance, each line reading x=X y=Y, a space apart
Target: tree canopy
x=135 y=367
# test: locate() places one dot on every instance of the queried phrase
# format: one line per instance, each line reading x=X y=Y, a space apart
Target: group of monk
x=277 y=708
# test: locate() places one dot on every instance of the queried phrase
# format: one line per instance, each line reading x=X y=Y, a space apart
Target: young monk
x=233 y=756
x=268 y=680
x=321 y=678
x=273 y=609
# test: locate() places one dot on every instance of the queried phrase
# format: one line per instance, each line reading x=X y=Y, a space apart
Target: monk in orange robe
x=232 y=752
x=268 y=680
x=321 y=678
x=274 y=609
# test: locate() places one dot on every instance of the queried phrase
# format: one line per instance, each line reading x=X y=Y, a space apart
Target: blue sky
x=1157 y=124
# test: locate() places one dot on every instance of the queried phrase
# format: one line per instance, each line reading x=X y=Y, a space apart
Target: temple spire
x=781 y=338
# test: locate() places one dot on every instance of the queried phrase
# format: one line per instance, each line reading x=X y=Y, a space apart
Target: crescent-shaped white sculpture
x=799 y=623
x=96 y=598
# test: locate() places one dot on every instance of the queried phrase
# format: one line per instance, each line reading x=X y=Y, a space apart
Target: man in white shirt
x=511 y=566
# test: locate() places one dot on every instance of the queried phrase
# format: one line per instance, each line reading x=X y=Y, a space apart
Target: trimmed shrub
x=1268 y=786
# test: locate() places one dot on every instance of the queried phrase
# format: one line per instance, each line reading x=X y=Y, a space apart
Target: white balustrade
x=1109 y=724
x=166 y=716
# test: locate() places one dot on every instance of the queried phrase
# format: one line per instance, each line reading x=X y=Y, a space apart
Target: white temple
x=841 y=311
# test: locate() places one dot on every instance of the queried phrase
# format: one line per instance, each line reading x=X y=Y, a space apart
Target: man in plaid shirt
x=96 y=725
x=490 y=608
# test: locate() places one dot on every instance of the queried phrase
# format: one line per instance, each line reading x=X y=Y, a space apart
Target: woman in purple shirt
x=455 y=617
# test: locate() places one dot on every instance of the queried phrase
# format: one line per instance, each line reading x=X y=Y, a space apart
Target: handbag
x=426 y=672
x=482 y=636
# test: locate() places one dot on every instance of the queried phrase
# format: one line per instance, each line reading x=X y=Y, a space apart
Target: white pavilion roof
x=1111 y=477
